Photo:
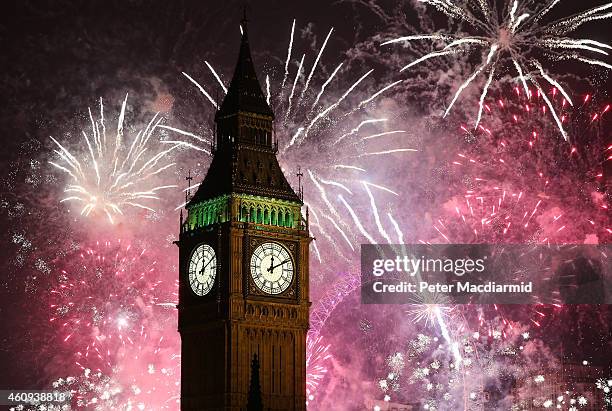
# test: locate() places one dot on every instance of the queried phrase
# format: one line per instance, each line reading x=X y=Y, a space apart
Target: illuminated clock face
x=271 y=268
x=202 y=269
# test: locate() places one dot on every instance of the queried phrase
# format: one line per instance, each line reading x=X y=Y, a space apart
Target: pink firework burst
x=510 y=169
x=104 y=300
x=509 y=188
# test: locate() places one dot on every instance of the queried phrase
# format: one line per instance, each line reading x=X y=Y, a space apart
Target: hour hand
x=271 y=265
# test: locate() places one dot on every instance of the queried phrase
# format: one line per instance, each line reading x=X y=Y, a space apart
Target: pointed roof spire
x=244 y=93
x=245 y=157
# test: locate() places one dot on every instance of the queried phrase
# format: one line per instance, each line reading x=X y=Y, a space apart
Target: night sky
x=59 y=57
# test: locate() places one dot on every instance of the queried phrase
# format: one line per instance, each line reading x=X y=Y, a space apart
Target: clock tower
x=243 y=266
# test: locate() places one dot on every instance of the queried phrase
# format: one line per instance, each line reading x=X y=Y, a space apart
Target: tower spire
x=244 y=92
x=244 y=159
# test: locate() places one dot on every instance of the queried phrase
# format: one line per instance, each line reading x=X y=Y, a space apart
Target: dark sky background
x=58 y=57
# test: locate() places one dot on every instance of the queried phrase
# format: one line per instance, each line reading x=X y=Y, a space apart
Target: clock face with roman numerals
x=271 y=268
x=202 y=269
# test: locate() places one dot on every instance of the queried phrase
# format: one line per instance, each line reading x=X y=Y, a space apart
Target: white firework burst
x=113 y=173
x=516 y=37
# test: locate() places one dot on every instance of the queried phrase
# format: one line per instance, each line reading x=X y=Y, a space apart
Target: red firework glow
x=105 y=302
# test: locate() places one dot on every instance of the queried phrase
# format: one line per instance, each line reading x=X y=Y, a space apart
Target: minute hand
x=277 y=265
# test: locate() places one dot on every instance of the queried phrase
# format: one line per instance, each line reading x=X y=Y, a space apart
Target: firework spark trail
x=381 y=230
x=553 y=82
x=392 y=151
x=384 y=133
x=336 y=184
x=317 y=223
x=490 y=55
x=288 y=56
x=314 y=65
x=212 y=70
x=323 y=113
x=212 y=101
x=444 y=329
x=515 y=38
x=483 y=95
x=185 y=133
x=396 y=227
x=178 y=143
x=297 y=77
x=329 y=79
x=356 y=129
x=356 y=220
x=348 y=167
x=330 y=207
x=429 y=56
x=376 y=95
x=110 y=178
x=552 y=110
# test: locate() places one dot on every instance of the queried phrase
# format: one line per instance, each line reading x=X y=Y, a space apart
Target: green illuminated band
x=245 y=208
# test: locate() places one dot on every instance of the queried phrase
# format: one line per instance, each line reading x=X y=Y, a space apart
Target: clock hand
x=271 y=264
x=203 y=268
x=277 y=265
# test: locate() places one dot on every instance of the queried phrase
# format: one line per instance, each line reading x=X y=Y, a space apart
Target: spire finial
x=188 y=190
x=299 y=175
x=244 y=14
x=243 y=23
x=245 y=20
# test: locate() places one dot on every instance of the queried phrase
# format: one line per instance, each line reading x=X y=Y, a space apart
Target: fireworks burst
x=91 y=389
x=428 y=366
x=605 y=385
x=347 y=140
x=428 y=312
x=515 y=38
x=317 y=355
x=113 y=175
x=102 y=304
x=534 y=205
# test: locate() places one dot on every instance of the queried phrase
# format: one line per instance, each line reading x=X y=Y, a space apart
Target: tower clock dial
x=202 y=269
x=272 y=268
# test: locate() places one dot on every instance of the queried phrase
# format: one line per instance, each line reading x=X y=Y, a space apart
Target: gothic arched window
x=266 y=216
